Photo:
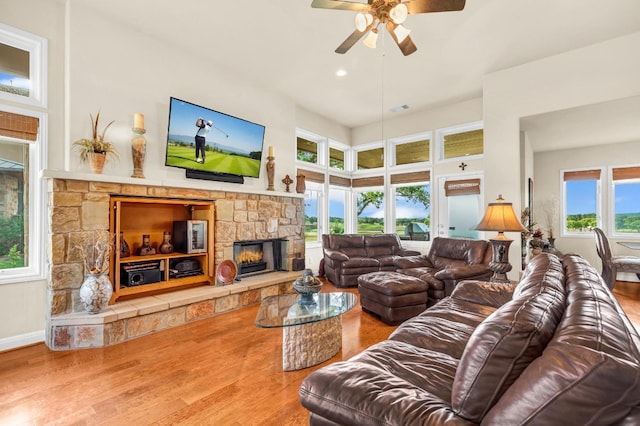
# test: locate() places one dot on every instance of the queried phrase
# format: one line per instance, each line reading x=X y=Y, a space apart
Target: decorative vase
x=124 y=247
x=300 y=185
x=146 y=248
x=166 y=247
x=138 y=152
x=96 y=161
x=95 y=293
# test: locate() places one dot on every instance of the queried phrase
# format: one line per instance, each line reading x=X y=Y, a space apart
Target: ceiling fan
x=390 y=13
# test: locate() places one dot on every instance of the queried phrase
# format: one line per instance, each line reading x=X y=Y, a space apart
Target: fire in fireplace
x=251 y=259
x=260 y=256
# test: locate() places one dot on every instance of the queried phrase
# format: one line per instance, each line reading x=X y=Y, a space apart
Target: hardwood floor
x=220 y=371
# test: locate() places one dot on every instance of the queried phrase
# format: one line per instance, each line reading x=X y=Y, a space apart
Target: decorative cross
x=462 y=166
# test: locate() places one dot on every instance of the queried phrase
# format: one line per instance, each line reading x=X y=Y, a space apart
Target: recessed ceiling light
x=399 y=108
x=341 y=72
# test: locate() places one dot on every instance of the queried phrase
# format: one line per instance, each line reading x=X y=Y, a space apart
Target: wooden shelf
x=134 y=217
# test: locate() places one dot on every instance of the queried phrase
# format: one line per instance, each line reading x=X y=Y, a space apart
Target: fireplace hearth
x=260 y=256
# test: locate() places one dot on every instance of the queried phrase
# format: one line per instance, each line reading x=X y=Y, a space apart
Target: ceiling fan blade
x=428 y=6
x=340 y=5
x=406 y=46
x=352 y=39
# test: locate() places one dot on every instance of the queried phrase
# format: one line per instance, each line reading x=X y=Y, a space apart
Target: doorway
x=460 y=206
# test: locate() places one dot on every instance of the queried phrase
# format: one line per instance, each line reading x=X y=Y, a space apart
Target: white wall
x=120 y=71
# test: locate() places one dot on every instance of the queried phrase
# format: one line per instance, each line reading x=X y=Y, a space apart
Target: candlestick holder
x=138 y=152
x=271 y=168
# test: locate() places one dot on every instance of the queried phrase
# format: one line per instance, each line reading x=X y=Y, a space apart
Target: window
x=337 y=209
x=336 y=158
x=21 y=197
x=370 y=159
x=413 y=214
x=312 y=229
x=581 y=195
x=307 y=150
x=626 y=205
x=461 y=141
x=412 y=152
x=22 y=66
x=370 y=212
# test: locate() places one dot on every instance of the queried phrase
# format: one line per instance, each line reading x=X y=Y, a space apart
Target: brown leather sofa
x=347 y=256
x=555 y=349
x=450 y=260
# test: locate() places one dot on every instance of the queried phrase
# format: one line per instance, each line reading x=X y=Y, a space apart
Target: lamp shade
x=500 y=217
x=363 y=21
x=401 y=33
x=371 y=39
x=398 y=13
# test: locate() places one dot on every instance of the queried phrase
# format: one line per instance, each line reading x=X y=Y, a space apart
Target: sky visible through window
x=14 y=81
x=581 y=196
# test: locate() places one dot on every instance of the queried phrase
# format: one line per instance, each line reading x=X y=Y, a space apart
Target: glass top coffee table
x=311 y=331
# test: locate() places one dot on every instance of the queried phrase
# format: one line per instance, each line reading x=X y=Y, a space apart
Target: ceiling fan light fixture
x=371 y=39
x=363 y=20
x=401 y=33
x=398 y=13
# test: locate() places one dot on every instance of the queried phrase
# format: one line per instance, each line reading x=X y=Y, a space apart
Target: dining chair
x=611 y=265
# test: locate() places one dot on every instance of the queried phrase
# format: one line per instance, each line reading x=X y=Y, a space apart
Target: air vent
x=399 y=108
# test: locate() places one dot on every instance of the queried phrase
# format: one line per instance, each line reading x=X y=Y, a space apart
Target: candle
x=271 y=151
x=138 y=121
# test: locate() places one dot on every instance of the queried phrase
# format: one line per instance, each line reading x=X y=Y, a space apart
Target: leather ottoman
x=392 y=296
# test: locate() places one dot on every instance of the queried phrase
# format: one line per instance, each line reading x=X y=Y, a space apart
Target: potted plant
x=96 y=150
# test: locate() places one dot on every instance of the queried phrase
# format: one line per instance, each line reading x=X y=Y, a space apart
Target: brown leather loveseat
x=347 y=256
x=555 y=349
x=450 y=260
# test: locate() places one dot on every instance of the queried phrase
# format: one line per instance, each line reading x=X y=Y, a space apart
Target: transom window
x=306 y=150
x=461 y=141
x=336 y=158
x=22 y=66
x=370 y=159
x=412 y=152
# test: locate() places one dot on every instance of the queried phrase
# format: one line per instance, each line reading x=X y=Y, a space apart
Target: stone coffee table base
x=310 y=344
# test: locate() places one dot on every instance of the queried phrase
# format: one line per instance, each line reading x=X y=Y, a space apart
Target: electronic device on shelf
x=231 y=148
x=180 y=268
x=140 y=273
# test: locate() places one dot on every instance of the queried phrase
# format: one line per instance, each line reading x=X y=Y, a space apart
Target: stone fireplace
x=78 y=207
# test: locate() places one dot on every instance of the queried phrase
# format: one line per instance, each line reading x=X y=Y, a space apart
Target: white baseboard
x=21 y=340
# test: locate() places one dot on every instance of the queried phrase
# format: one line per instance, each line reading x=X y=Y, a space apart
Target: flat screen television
x=211 y=143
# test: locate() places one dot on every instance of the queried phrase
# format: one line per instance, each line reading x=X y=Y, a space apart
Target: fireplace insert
x=260 y=256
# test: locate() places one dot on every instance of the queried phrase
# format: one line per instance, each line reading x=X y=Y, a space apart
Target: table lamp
x=500 y=217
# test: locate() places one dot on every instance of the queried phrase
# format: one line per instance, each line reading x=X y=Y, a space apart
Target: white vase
x=95 y=293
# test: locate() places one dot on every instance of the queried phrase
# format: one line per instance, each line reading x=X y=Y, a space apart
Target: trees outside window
x=412 y=212
x=370 y=212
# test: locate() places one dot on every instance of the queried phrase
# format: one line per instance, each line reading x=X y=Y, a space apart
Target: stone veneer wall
x=77 y=208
